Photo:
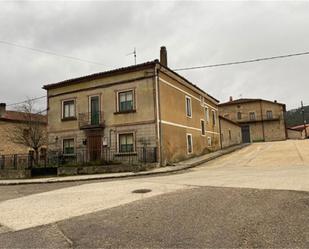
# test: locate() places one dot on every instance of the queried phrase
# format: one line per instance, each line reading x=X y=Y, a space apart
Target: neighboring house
x=260 y=120
x=298 y=132
x=123 y=110
x=10 y=121
x=230 y=132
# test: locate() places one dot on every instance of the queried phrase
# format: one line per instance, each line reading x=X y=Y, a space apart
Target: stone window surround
x=117 y=92
x=188 y=111
x=62 y=109
x=117 y=141
x=191 y=139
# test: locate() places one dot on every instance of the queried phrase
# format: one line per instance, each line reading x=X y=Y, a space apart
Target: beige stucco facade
x=158 y=118
x=264 y=119
x=230 y=132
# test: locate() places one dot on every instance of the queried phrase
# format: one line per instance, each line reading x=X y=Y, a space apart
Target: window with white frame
x=188 y=107
x=207 y=114
x=126 y=101
x=189 y=144
x=68 y=146
x=203 y=127
x=214 y=117
x=68 y=108
x=126 y=142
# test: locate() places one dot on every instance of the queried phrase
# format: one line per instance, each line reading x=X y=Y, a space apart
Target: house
x=230 y=132
x=13 y=124
x=145 y=109
x=260 y=120
x=298 y=132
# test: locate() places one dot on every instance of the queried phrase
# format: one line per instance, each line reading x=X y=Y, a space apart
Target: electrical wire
x=243 y=62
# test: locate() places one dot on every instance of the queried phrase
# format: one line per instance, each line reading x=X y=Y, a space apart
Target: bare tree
x=31 y=130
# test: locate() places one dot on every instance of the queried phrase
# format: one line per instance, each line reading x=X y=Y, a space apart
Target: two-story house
x=260 y=120
x=123 y=110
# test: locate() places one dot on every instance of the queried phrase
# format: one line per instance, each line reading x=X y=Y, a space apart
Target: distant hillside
x=294 y=116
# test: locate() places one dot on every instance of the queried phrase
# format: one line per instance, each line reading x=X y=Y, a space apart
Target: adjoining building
x=16 y=122
x=298 y=132
x=260 y=120
x=230 y=132
x=145 y=108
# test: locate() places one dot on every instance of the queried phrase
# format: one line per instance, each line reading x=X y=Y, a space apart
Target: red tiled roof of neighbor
x=247 y=100
x=298 y=127
x=119 y=71
x=15 y=116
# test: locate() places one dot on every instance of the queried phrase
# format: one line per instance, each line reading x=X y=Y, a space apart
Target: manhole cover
x=141 y=191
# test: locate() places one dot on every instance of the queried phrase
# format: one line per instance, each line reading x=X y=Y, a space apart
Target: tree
x=30 y=131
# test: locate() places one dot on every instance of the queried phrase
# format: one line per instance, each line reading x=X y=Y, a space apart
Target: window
x=238 y=115
x=203 y=127
x=252 y=115
x=206 y=114
x=214 y=117
x=126 y=142
x=230 y=135
x=68 y=109
x=269 y=114
x=189 y=144
x=209 y=141
x=125 y=101
x=68 y=146
x=188 y=107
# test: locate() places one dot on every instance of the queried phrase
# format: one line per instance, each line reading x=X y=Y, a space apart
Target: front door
x=95 y=110
x=94 y=143
x=245 y=133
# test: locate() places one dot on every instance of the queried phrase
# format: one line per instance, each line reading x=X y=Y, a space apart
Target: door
x=94 y=144
x=94 y=110
x=245 y=133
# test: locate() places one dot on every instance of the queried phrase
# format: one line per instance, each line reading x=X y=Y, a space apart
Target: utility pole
x=304 y=120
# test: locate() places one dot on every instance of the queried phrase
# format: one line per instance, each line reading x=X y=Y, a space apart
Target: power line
x=242 y=62
x=50 y=53
x=36 y=98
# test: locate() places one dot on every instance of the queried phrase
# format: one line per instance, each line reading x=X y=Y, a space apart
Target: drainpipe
x=220 y=132
x=158 y=116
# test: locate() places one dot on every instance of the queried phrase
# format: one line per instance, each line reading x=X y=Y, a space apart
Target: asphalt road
x=245 y=199
x=196 y=218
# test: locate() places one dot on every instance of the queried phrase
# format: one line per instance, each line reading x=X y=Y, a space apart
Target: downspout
x=158 y=116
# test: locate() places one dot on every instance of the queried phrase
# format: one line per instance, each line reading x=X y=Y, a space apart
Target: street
x=254 y=197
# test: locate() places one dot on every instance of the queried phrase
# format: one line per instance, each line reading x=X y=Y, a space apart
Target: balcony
x=258 y=118
x=91 y=120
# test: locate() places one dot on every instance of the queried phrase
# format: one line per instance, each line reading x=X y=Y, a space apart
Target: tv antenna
x=134 y=53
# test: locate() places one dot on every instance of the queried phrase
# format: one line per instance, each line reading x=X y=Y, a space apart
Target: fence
x=53 y=159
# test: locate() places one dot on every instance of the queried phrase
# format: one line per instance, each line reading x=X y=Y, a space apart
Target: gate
x=245 y=133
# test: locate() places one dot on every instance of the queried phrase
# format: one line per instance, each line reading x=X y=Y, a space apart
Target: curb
x=179 y=167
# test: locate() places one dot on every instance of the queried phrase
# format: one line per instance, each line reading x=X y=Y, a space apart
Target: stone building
x=260 y=120
x=142 y=106
x=230 y=132
x=10 y=121
x=298 y=132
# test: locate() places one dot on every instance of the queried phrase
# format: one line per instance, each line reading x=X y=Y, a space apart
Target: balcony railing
x=258 y=118
x=91 y=120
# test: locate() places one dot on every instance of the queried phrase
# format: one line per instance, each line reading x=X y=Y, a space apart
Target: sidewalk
x=190 y=163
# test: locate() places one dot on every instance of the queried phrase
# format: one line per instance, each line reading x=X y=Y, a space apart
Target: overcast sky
x=194 y=33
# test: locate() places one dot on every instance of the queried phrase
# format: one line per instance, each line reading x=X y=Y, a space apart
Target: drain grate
x=141 y=191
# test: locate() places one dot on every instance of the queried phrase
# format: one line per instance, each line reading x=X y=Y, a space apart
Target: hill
x=295 y=116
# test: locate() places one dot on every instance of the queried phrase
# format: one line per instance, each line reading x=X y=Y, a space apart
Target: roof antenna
x=134 y=53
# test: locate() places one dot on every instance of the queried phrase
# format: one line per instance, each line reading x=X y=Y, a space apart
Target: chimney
x=2 y=109
x=275 y=101
x=231 y=98
x=163 y=56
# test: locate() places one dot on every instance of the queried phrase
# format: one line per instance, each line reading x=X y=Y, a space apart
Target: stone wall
x=230 y=133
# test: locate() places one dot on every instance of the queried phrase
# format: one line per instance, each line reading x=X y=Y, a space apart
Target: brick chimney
x=2 y=109
x=231 y=98
x=163 y=56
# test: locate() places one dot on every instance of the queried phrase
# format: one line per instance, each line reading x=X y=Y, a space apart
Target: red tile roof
x=247 y=100
x=298 y=127
x=15 y=116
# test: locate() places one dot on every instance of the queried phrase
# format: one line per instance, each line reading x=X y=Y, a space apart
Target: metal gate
x=245 y=133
